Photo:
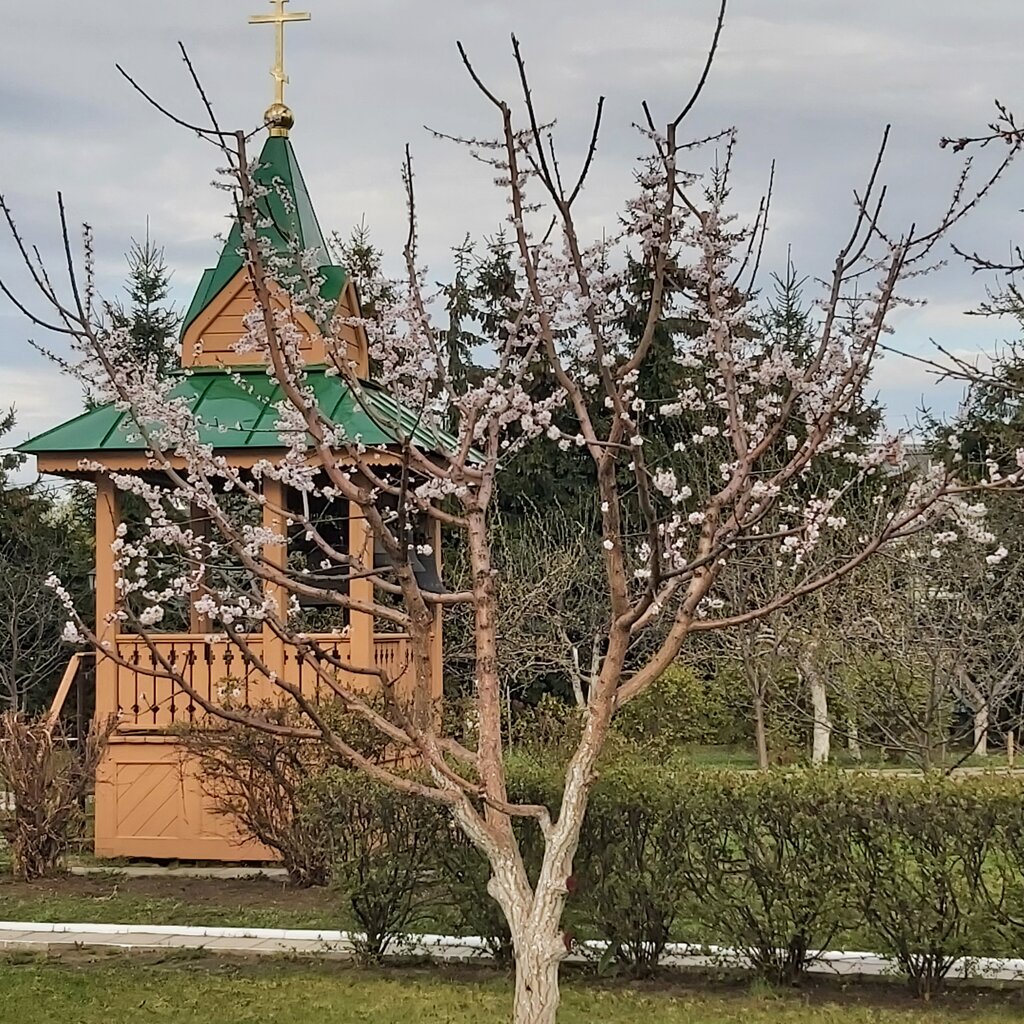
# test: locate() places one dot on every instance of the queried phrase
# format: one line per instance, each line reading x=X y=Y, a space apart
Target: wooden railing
x=391 y=654
x=220 y=672
x=309 y=672
x=148 y=698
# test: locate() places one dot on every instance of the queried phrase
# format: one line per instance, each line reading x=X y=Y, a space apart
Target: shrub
x=465 y=872
x=384 y=852
x=680 y=709
x=48 y=783
x=629 y=865
x=764 y=865
x=1004 y=877
x=922 y=853
x=550 y=728
x=255 y=778
x=777 y=866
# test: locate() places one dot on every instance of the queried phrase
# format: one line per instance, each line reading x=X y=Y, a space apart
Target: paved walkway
x=37 y=937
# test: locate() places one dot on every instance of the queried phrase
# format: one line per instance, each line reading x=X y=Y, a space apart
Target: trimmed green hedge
x=774 y=865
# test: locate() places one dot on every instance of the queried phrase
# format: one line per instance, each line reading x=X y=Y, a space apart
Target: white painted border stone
x=23 y=934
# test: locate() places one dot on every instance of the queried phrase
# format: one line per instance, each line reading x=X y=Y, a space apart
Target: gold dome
x=279 y=119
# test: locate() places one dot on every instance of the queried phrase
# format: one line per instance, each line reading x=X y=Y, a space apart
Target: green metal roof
x=237 y=410
x=278 y=169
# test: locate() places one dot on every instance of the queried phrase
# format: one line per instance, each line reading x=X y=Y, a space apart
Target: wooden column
x=276 y=554
x=361 y=627
x=199 y=624
x=108 y=518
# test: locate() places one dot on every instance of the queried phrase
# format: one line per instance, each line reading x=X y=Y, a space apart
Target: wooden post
x=108 y=518
x=199 y=624
x=275 y=554
x=1010 y=751
x=361 y=624
x=68 y=680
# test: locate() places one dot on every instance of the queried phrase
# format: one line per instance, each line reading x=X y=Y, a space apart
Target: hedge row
x=774 y=865
x=780 y=866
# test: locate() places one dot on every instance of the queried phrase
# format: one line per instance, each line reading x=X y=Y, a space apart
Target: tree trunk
x=981 y=724
x=821 y=744
x=535 y=921
x=760 y=732
x=937 y=720
x=534 y=913
x=538 y=957
x=853 y=739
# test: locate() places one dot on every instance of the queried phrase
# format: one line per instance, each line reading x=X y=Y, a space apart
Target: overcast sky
x=809 y=83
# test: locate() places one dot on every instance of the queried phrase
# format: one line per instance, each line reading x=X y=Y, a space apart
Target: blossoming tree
x=770 y=418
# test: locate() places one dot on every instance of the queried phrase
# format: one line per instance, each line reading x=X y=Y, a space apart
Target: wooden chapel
x=150 y=799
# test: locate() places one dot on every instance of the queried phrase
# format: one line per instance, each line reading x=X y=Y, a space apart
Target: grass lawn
x=737 y=757
x=110 y=899
x=94 y=990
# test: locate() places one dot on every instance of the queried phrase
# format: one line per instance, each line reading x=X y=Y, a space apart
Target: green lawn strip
x=126 y=991
x=125 y=908
x=738 y=757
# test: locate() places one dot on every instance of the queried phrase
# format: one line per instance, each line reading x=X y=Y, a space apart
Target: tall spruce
x=460 y=339
x=363 y=262
x=152 y=322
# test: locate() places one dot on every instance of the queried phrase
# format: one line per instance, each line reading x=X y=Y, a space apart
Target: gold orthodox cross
x=280 y=18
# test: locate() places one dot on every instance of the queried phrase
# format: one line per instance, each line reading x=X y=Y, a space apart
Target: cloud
x=809 y=84
x=41 y=397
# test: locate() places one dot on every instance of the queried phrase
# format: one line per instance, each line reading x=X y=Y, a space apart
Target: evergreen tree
x=152 y=323
x=459 y=340
x=363 y=262
x=9 y=459
x=990 y=424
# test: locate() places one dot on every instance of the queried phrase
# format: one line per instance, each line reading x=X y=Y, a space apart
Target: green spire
x=278 y=171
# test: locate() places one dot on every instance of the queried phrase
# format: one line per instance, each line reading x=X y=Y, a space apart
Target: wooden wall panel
x=211 y=338
x=150 y=803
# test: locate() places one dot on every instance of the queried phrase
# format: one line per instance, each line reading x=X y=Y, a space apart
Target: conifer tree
x=363 y=262
x=152 y=322
x=9 y=459
x=460 y=339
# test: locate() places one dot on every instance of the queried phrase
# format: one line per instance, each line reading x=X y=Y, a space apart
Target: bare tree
x=934 y=649
x=664 y=540
x=758 y=652
x=804 y=642
x=32 y=539
x=551 y=616
x=31 y=655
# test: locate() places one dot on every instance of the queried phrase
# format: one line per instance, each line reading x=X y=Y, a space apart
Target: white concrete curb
x=442 y=947
x=190 y=931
